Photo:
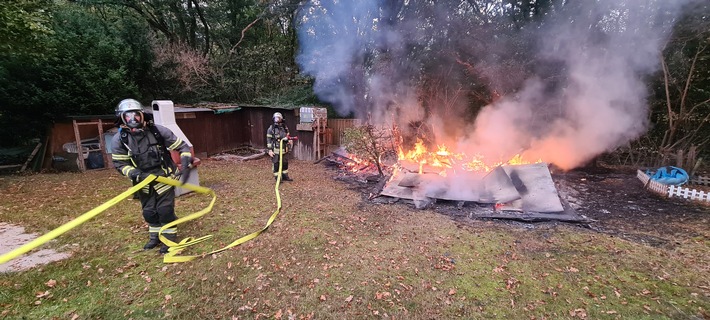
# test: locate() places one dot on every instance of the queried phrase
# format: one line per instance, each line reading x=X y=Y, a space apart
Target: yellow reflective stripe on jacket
x=269 y=136
x=126 y=170
x=175 y=144
x=153 y=229
x=120 y=157
x=186 y=154
x=160 y=188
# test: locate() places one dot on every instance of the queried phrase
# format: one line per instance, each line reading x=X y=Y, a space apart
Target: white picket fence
x=701 y=180
x=654 y=186
x=676 y=191
x=687 y=193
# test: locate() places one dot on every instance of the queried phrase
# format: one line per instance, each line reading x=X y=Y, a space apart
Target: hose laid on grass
x=175 y=248
x=74 y=223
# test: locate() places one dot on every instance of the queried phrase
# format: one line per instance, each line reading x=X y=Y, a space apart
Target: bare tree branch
x=234 y=47
x=688 y=80
x=231 y=51
x=200 y=14
x=669 y=135
x=697 y=105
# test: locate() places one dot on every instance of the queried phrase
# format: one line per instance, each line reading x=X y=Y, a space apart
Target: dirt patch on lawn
x=14 y=237
x=612 y=201
x=619 y=204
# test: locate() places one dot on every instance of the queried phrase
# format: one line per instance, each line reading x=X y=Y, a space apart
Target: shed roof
x=214 y=106
x=89 y=117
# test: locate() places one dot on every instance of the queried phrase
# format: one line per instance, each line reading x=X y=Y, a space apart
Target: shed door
x=258 y=131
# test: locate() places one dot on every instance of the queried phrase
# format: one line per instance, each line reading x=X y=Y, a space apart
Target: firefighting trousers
x=158 y=209
x=275 y=161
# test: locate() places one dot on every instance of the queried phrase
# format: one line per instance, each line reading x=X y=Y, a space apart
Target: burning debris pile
x=516 y=189
x=352 y=168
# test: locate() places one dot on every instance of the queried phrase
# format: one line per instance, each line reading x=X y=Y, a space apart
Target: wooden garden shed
x=212 y=128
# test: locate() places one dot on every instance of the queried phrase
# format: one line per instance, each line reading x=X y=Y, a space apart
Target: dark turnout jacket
x=147 y=151
x=274 y=134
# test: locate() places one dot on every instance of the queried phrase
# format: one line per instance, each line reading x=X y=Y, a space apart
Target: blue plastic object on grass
x=670 y=176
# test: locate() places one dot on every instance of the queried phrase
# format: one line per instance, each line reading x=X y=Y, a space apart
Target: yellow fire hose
x=175 y=248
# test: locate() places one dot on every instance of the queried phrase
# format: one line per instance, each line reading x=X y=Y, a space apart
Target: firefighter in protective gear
x=141 y=148
x=276 y=132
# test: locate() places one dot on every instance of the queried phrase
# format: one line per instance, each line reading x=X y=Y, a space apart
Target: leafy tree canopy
x=23 y=25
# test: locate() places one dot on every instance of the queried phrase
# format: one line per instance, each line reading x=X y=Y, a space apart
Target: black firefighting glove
x=137 y=176
x=186 y=162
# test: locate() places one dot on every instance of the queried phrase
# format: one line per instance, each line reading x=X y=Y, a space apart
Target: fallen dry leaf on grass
x=578 y=313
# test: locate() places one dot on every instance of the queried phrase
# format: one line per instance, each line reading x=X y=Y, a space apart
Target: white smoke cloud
x=603 y=102
x=333 y=38
x=359 y=58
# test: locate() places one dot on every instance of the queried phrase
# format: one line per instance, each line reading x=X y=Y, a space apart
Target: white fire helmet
x=131 y=113
x=278 y=117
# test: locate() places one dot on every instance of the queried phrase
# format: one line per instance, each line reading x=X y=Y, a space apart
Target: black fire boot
x=285 y=177
x=170 y=236
x=153 y=241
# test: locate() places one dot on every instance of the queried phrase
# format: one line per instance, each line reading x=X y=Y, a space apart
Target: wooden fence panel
x=701 y=180
x=339 y=126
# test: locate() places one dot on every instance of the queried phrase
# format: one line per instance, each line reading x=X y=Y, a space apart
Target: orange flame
x=356 y=163
x=445 y=159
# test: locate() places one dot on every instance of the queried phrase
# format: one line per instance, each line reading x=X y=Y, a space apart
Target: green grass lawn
x=331 y=255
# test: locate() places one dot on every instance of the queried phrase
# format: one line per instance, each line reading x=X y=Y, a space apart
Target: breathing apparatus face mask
x=133 y=119
x=278 y=118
